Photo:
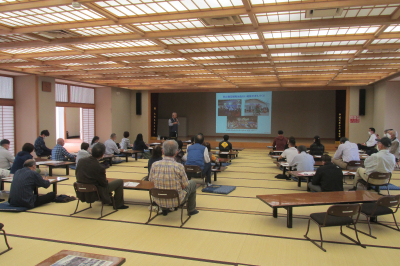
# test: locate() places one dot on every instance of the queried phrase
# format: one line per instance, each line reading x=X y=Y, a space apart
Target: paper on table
x=284 y=164
x=224 y=152
x=317 y=156
x=51 y=180
x=352 y=173
x=131 y=184
x=45 y=162
x=307 y=173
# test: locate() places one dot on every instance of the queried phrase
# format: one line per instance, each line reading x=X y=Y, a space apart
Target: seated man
x=197 y=154
x=40 y=146
x=328 y=177
x=90 y=171
x=24 y=183
x=279 y=142
x=395 y=147
x=291 y=152
x=6 y=158
x=168 y=174
x=381 y=162
x=304 y=161
x=225 y=146
x=111 y=146
x=345 y=153
x=22 y=157
x=83 y=153
x=371 y=142
x=59 y=153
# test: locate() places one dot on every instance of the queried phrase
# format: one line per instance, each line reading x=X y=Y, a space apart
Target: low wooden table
x=143 y=185
x=288 y=201
x=129 y=152
x=217 y=169
x=108 y=157
x=237 y=151
x=299 y=176
x=230 y=154
x=116 y=261
x=52 y=164
x=53 y=181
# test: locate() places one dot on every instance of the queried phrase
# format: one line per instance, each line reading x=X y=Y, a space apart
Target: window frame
x=11 y=102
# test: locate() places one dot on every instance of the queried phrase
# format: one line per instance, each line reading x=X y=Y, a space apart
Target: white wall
x=103 y=115
x=47 y=110
x=140 y=123
x=121 y=112
x=72 y=121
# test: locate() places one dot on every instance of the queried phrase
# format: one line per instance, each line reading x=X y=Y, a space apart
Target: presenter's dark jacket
x=329 y=177
x=90 y=171
x=172 y=127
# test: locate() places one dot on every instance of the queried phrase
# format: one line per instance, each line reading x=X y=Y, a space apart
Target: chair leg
x=369 y=227
x=90 y=206
x=114 y=208
x=387 y=188
x=312 y=241
x=351 y=239
x=151 y=211
x=8 y=246
x=395 y=222
x=187 y=210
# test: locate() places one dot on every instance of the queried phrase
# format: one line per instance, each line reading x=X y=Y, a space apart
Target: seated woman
x=23 y=156
x=317 y=148
x=212 y=156
x=139 y=145
x=156 y=156
x=181 y=153
x=125 y=143
x=95 y=140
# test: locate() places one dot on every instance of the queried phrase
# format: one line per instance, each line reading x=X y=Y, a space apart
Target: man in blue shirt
x=40 y=145
x=59 y=153
x=197 y=154
x=24 y=182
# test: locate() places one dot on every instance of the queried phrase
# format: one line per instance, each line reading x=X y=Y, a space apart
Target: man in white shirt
x=83 y=153
x=304 y=161
x=6 y=158
x=111 y=146
x=345 y=153
x=291 y=152
x=381 y=162
x=371 y=142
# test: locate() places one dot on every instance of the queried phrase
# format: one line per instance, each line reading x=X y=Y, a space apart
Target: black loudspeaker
x=361 y=108
x=138 y=103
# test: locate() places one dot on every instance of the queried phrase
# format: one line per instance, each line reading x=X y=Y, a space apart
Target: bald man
x=59 y=153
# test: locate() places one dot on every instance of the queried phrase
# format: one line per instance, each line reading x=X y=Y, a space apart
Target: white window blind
x=6 y=88
x=61 y=93
x=82 y=95
x=7 y=125
x=87 y=125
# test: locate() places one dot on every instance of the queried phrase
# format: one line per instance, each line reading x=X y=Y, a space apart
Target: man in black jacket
x=328 y=177
x=90 y=171
x=225 y=146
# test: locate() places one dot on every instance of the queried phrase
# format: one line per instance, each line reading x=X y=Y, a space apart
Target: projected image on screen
x=244 y=112
x=229 y=107
x=243 y=122
x=256 y=107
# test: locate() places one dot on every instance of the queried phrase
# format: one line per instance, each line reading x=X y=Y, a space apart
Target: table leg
x=50 y=170
x=67 y=169
x=308 y=181
x=1 y=185
x=215 y=176
x=110 y=160
x=136 y=155
x=299 y=181
x=275 y=212
x=55 y=188
x=289 y=217
x=36 y=192
x=126 y=158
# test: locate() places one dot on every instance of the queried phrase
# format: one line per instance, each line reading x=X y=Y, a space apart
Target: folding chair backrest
x=84 y=188
x=389 y=201
x=379 y=177
x=344 y=210
x=356 y=163
x=164 y=193
x=192 y=169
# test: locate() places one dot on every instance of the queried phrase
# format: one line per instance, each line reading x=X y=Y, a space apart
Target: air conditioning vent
x=312 y=53
x=320 y=13
x=59 y=34
x=383 y=50
x=218 y=21
x=248 y=56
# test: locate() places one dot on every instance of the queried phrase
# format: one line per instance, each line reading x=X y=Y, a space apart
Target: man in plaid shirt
x=59 y=153
x=168 y=174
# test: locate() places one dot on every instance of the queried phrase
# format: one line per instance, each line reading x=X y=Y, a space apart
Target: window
x=61 y=93
x=87 y=125
x=7 y=125
x=6 y=88
x=82 y=95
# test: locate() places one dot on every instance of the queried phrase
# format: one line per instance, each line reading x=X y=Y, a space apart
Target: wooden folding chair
x=5 y=238
x=165 y=194
x=194 y=171
x=377 y=177
x=89 y=188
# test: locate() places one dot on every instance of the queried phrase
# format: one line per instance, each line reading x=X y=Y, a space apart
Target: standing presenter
x=173 y=124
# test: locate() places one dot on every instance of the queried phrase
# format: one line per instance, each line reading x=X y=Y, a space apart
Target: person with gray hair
x=59 y=153
x=345 y=153
x=23 y=185
x=168 y=174
x=173 y=124
x=111 y=146
x=303 y=161
x=395 y=148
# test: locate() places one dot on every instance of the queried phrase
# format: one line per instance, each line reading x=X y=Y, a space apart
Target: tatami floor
x=234 y=229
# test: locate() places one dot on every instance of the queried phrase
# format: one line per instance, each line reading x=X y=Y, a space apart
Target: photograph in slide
x=243 y=122
x=229 y=107
x=256 y=107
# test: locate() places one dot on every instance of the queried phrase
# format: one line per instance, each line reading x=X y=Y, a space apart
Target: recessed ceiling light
x=76 y=4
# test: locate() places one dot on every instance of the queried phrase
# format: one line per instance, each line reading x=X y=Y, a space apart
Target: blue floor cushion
x=5 y=207
x=219 y=189
x=391 y=187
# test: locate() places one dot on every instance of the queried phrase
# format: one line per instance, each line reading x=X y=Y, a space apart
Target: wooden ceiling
x=166 y=45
